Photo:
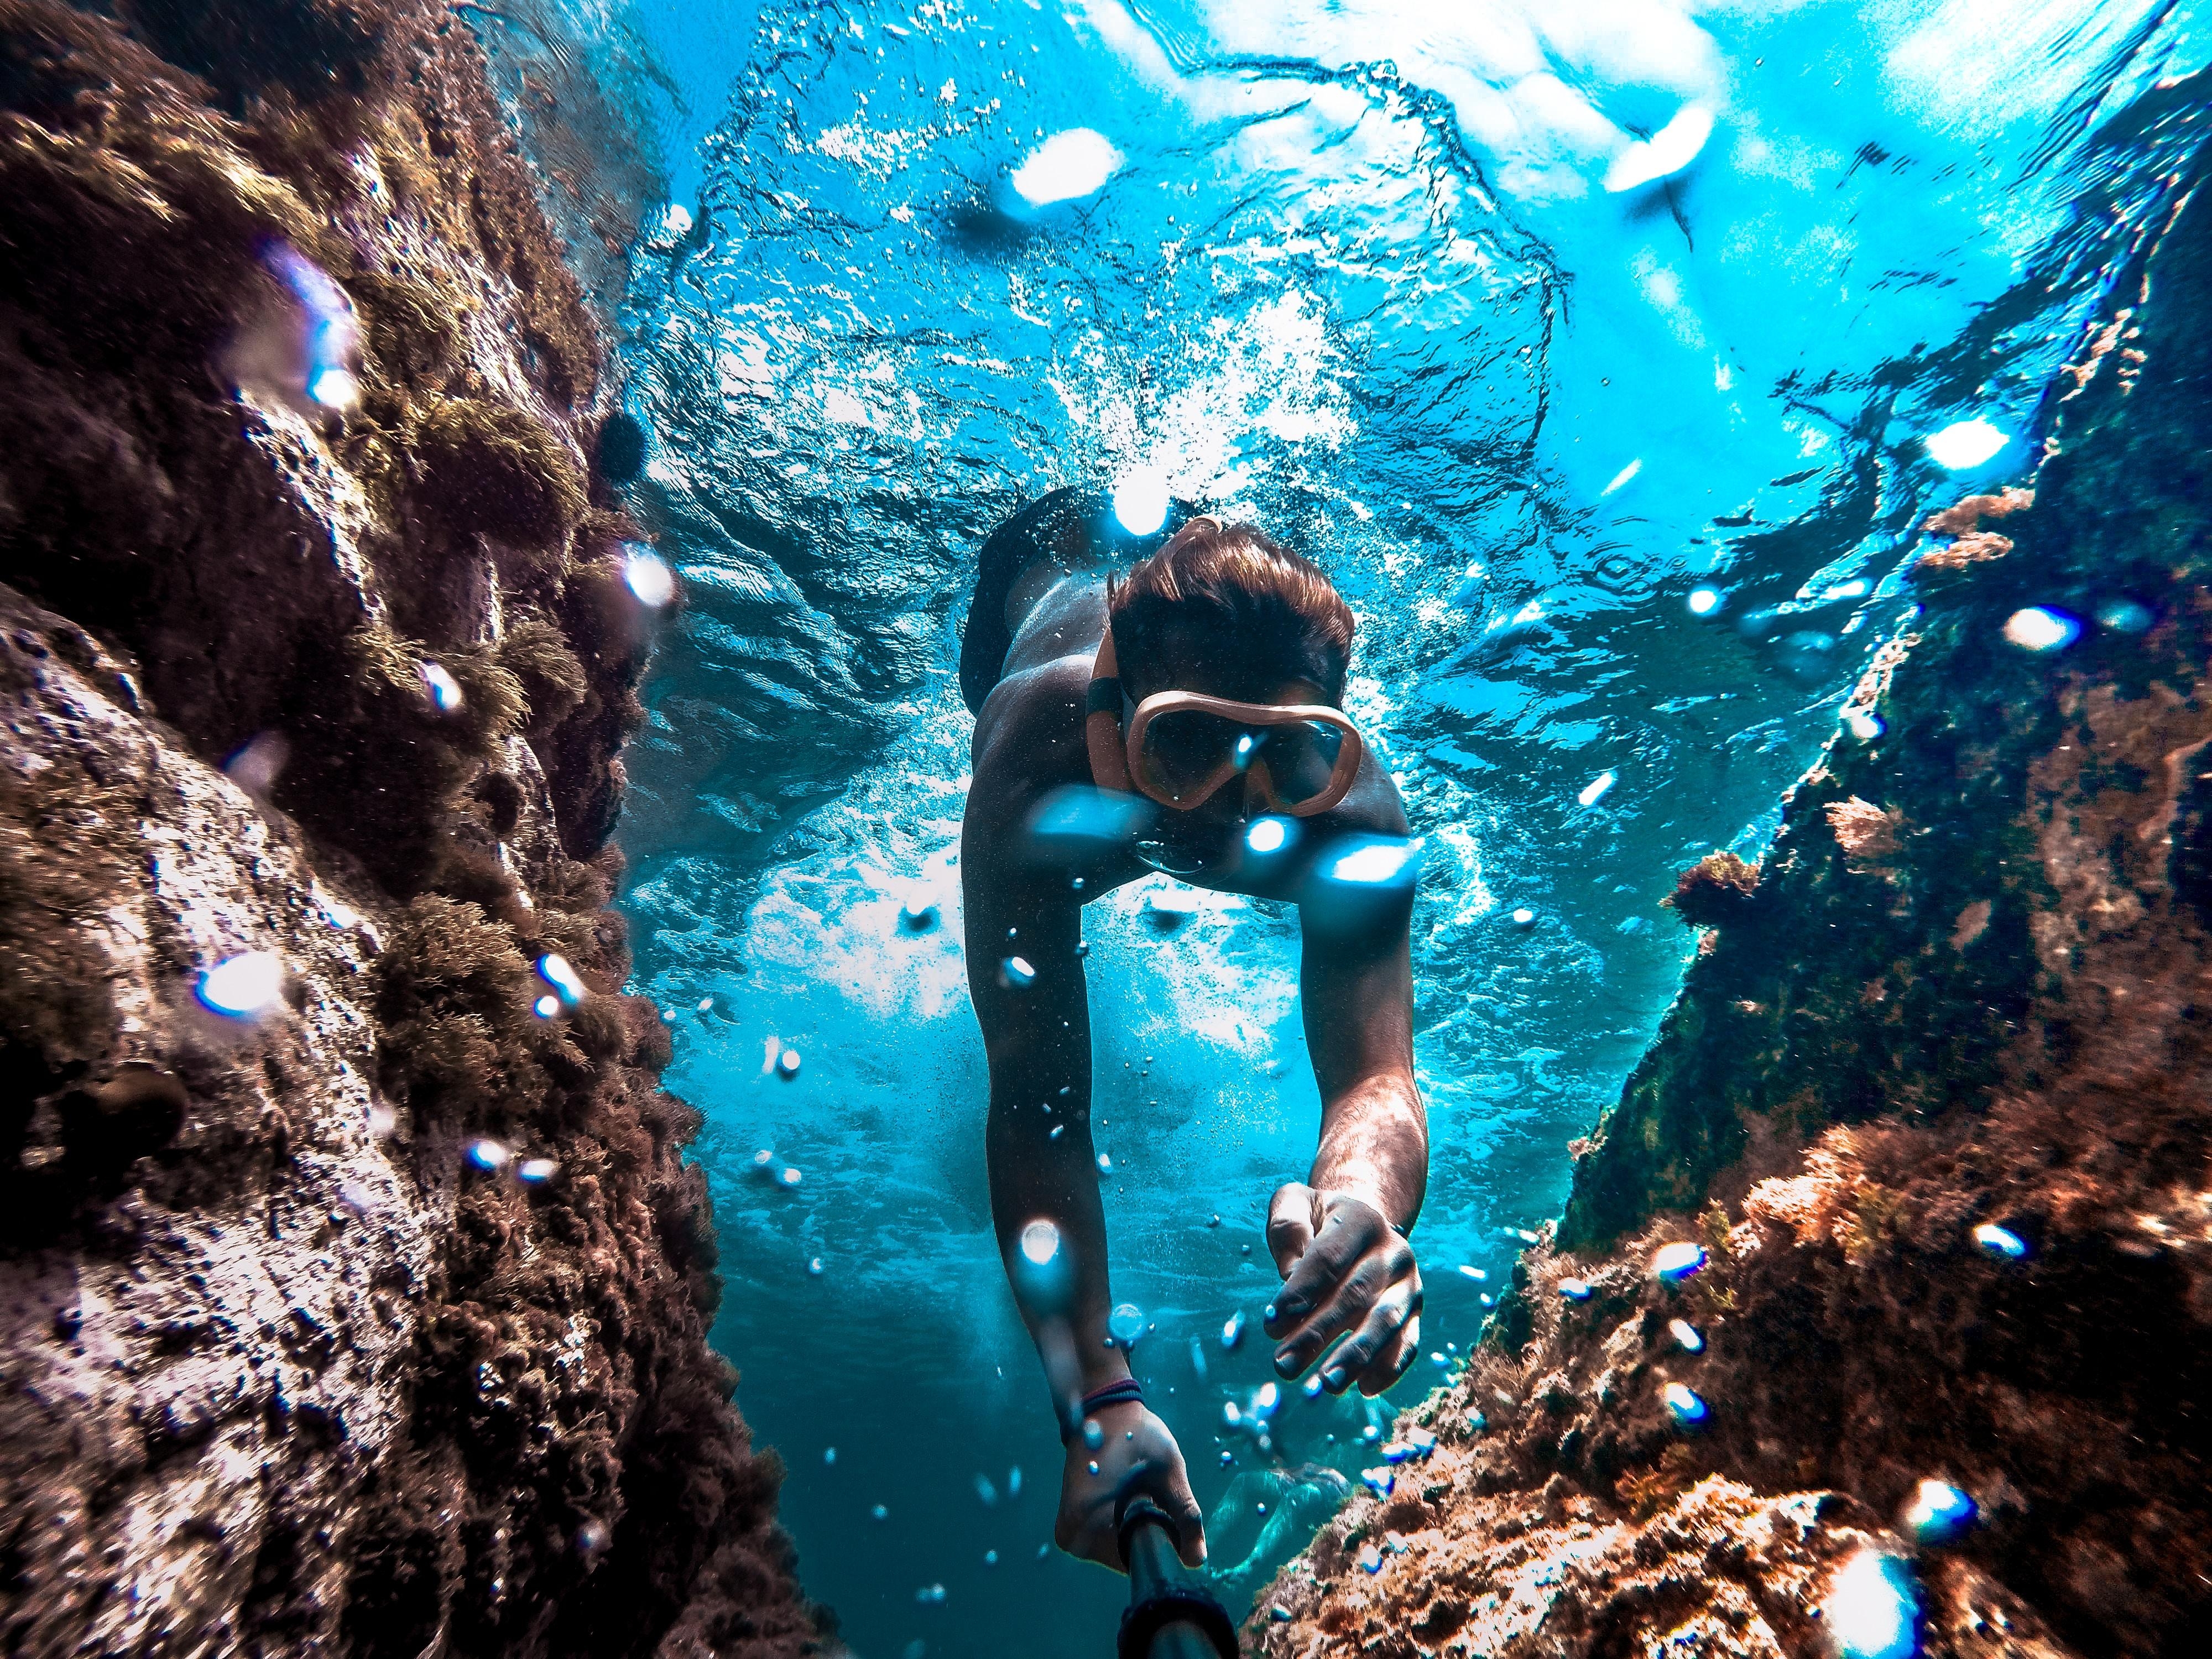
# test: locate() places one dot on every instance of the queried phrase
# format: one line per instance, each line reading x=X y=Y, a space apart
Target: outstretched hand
x=1136 y=1456
x=1345 y=1269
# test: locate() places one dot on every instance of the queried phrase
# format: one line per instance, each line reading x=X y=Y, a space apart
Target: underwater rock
x=300 y=400
x=1931 y=1104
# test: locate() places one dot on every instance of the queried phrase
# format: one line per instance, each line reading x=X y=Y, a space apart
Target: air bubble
x=1872 y=1611
x=2000 y=1240
x=2039 y=628
x=1683 y=1404
x=444 y=690
x=648 y=577
x=555 y=970
x=1938 y=1512
x=243 y=986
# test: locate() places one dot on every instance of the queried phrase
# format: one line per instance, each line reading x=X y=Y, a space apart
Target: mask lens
x=1186 y=746
x=1301 y=758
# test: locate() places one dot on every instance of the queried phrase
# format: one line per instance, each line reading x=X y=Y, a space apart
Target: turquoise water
x=1617 y=480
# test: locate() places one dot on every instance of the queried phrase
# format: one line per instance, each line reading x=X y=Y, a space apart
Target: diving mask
x=1184 y=747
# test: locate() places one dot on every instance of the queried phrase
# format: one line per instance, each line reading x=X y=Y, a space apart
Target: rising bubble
x=1938 y=1512
x=243 y=986
x=1683 y=1404
x=2039 y=628
x=1964 y=444
x=649 y=577
x=555 y=970
x=2125 y=616
x=445 y=690
x=2000 y=1240
x=1140 y=500
x=1863 y=724
x=1065 y=167
x=1872 y=1609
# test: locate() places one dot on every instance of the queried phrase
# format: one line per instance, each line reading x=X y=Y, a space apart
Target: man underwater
x=1182 y=716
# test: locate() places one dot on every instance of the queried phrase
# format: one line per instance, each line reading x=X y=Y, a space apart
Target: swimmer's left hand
x=1343 y=1269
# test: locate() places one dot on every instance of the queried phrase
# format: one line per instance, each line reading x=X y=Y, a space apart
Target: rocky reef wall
x=1928 y=1124
x=356 y=1304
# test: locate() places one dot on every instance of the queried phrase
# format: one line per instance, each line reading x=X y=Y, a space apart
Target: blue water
x=1357 y=275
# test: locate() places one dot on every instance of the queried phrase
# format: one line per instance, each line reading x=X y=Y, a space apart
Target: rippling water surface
x=1592 y=348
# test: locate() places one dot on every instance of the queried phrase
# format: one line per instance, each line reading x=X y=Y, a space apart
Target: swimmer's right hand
x=1136 y=1455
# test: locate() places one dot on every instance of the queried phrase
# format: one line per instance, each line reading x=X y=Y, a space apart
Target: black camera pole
x=1169 y=1616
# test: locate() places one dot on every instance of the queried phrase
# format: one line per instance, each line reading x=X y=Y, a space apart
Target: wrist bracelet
x=1111 y=1393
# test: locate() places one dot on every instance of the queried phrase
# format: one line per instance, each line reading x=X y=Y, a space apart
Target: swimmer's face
x=1186 y=665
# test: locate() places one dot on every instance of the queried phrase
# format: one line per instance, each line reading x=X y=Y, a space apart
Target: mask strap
x=1101 y=720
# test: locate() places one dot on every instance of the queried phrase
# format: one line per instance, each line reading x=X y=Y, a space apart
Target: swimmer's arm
x=1358 y=1006
x=1356 y=984
x=1037 y=1039
x=1339 y=1237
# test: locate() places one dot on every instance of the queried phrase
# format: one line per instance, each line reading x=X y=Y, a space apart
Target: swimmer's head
x=1230 y=611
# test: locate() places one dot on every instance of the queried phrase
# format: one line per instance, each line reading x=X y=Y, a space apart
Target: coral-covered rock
x=1929 y=1126
x=357 y=1290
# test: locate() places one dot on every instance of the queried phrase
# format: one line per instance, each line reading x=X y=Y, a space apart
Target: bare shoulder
x=1030 y=728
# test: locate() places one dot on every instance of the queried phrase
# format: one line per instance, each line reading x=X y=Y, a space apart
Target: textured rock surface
x=1966 y=986
x=283 y=1370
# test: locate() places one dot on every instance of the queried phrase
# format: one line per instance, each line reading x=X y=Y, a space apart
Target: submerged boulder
x=1933 y=1107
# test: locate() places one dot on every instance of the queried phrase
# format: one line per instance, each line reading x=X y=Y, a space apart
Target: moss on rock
x=483 y=1411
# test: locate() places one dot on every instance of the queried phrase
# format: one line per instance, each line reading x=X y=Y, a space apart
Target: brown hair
x=1252 y=612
